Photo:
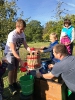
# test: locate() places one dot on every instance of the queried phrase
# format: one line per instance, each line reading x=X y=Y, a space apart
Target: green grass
x=23 y=54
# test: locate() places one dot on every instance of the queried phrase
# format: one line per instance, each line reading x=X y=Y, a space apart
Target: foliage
x=51 y=26
x=34 y=31
x=8 y=16
x=56 y=26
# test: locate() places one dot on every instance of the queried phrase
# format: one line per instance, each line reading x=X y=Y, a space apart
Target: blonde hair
x=54 y=35
x=21 y=23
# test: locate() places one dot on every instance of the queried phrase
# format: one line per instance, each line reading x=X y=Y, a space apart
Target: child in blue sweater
x=54 y=41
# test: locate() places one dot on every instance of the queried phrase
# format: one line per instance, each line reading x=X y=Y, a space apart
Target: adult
x=65 y=68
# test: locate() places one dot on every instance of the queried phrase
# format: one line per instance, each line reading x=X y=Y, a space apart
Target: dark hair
x=60 y=48
x=21 y=22
x=67 y=21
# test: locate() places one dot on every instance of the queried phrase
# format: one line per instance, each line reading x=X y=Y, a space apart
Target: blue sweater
x=50 y=49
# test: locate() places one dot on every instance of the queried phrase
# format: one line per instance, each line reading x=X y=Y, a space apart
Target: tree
x=34 y=31
x=59 y=11
x=8 y=16
x=49 y=28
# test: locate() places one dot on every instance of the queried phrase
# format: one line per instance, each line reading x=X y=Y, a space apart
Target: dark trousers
x=71 y=46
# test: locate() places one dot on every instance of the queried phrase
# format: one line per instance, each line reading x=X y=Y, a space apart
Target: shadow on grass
x=10 y=96
x=6 y=85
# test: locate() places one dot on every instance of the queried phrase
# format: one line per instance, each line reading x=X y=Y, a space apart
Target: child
x=15 y=39
x=66 y=41
x=70 y=32
x=54 y=41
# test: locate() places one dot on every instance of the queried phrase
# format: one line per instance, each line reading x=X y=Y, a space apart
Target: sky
x=44 y=10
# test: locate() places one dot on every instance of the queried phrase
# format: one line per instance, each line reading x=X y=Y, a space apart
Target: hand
x=37 y=50
x=38 y=75
x=41 y=50
x=67 y=43
x=50 y=66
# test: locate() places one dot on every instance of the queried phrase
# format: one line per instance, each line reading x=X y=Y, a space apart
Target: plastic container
x=69 y=92
x=27 y=83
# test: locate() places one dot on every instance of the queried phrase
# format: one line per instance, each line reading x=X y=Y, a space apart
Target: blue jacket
x=50 y=49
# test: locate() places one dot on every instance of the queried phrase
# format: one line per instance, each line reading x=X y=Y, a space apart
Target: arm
x=61 y=41
x=12 y=47
x=46 y=49
x=55 y=72
x=42 y=49
x=46 y=76
x=73 y=35
x=26 y=46
x=60 y=36
x=49 y=49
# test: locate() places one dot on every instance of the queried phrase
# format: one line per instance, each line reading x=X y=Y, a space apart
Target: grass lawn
x=23 y=53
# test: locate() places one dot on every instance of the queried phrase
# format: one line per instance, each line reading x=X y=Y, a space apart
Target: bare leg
x=10 y=76
x=15 y=76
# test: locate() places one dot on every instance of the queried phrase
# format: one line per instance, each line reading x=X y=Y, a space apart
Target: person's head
x=67 y=22
x=20 y=26
x=60 y=51
x=53 y=37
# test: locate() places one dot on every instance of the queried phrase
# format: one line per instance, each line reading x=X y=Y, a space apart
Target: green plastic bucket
x=27 y=83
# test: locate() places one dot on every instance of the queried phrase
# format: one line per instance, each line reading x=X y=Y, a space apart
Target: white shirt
x=15 y=38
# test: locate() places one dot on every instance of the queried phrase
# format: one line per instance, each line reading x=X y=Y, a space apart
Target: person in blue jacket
x=48 y=66
x=53 y=42
x=70 y=32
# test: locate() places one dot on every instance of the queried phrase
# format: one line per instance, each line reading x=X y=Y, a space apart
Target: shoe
x=16 y=86
x=12 y=89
